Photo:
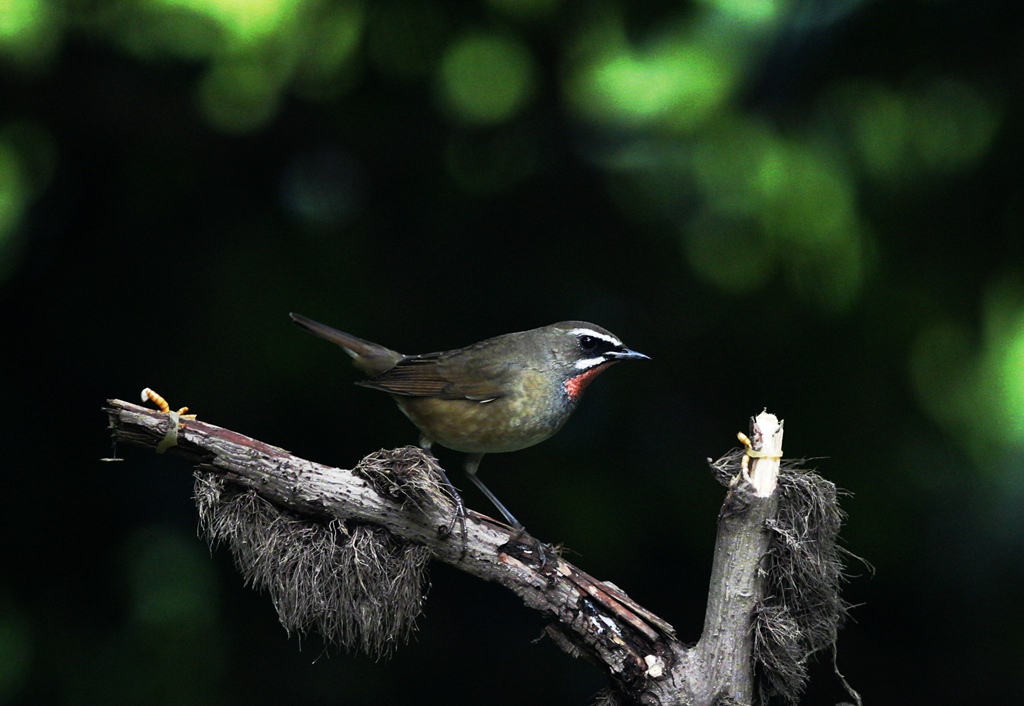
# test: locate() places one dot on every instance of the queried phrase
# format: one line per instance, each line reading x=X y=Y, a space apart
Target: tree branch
x=292 y=522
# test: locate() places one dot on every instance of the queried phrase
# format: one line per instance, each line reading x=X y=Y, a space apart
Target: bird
x=500 y=395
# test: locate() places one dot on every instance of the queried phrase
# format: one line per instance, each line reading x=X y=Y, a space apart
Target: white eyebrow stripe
x=590 y=362
x=591 y=332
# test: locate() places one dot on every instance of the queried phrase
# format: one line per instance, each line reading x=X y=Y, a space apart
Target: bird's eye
x=588 y=343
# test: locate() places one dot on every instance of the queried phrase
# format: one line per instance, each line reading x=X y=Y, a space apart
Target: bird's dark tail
x=368 y=357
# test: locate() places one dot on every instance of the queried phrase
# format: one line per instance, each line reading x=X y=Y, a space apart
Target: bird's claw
x=524 y=539
x=445 y=531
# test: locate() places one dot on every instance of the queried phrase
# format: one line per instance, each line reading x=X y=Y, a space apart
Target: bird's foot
x=445 y=531
x=524 y=545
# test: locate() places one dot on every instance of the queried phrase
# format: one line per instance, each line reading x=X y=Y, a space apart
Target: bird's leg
x=460 y=508
x=472 y=464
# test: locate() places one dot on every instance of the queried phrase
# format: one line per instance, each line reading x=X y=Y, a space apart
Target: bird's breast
x=531 y=411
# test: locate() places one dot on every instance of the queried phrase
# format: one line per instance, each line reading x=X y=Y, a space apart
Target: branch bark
x=645 y=661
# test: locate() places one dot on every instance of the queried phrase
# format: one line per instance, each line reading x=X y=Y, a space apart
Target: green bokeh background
x=814 y=206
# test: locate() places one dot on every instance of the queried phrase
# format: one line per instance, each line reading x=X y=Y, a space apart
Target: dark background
x=810 y=206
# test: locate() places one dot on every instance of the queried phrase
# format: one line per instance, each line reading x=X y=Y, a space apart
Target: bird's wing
x=450 y=375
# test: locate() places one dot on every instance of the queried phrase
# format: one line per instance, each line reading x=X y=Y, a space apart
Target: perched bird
x=503 y=394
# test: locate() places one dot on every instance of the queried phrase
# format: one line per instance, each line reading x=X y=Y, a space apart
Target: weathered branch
x=391 y=506
x=735 y=589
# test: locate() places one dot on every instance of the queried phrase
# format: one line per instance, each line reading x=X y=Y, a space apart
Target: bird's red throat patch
x=575 y=386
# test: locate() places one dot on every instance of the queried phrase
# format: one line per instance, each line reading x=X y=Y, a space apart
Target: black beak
x=626 y=354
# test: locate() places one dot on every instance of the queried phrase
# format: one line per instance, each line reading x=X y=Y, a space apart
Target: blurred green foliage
x=808 y=204
x=973 y=382
x=15 y=649
x=485 y=79
x=12 y=195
